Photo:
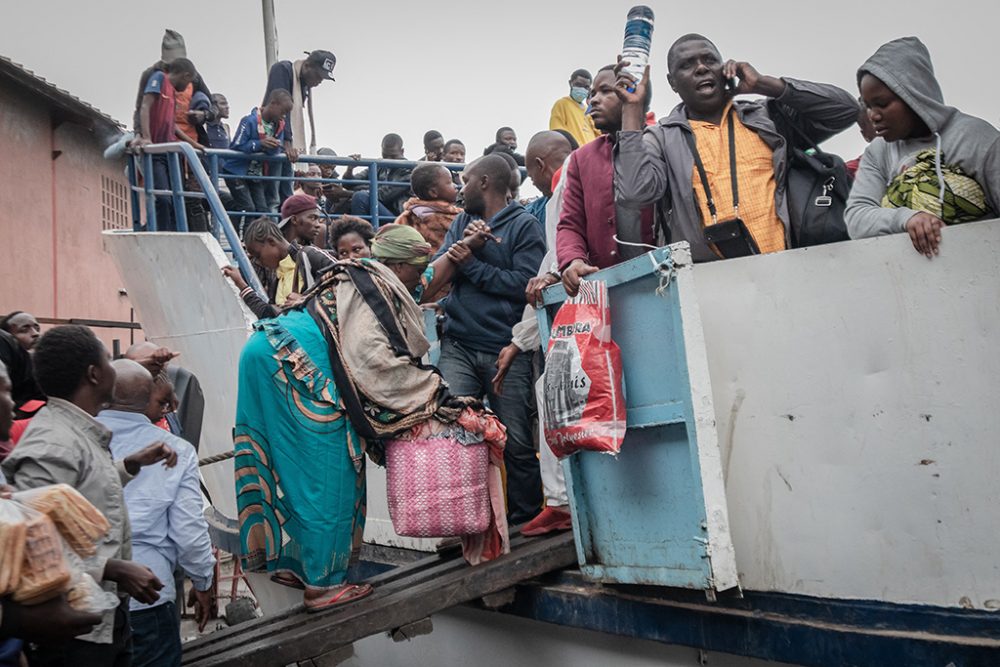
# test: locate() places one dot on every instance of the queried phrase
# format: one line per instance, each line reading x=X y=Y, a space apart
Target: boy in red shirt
x=157 y=126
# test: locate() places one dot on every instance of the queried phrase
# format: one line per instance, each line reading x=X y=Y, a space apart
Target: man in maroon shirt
x=595 y=232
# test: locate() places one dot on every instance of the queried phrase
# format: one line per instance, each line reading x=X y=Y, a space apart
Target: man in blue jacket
x=260 y=131
x=486 y=300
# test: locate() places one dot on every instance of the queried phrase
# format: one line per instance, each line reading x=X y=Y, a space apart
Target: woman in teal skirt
x=300 y=479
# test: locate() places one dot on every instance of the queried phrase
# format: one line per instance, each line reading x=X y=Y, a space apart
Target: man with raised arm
x=595 y=231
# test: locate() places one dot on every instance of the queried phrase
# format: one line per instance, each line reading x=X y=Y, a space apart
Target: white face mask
x=579 y=93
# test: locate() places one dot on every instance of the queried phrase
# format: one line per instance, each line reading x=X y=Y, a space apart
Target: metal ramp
x=403 y=595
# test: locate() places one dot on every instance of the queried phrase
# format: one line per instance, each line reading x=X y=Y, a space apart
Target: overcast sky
x=467 y=68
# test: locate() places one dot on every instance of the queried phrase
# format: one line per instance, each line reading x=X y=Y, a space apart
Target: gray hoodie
x=656 y=165
x=904 y=66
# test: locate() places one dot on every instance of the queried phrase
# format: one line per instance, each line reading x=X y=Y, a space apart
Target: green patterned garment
x=917 y=188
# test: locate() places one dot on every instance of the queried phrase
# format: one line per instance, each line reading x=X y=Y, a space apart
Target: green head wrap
x=400 y=243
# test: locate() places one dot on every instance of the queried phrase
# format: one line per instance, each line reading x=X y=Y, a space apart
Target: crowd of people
x=114 y=430
x=334 y=364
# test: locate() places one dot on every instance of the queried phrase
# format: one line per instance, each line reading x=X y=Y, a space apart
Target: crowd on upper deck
x=734 y=169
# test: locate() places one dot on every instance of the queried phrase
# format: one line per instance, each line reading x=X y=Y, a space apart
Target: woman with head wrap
x=326 y=382
x=404 y=250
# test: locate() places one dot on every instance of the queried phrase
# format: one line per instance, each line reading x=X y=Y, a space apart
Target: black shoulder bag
x=816 y=187
x=731 y=237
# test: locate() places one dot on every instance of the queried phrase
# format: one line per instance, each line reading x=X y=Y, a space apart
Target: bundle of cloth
x=375 y=332
x=327 y=383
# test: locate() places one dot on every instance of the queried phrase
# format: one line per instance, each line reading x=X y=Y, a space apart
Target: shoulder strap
x=794 y=128
x=373 y=297
x=346 y=389
x=693 y=145
x=732 y=164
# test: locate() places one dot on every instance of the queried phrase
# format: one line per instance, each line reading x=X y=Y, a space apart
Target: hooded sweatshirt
x=487 y=293
x=960 y=140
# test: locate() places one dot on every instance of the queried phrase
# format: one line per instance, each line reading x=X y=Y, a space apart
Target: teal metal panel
x=640 y=517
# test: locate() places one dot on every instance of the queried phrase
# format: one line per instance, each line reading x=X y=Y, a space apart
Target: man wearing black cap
x=299 y=78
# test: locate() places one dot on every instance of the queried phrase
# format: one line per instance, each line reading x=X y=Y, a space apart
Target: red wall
x=52 y=260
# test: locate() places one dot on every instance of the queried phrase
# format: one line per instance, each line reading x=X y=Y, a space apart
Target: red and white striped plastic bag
x=584 y=404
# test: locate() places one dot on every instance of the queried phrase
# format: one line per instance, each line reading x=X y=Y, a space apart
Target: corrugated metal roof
x=75 y=109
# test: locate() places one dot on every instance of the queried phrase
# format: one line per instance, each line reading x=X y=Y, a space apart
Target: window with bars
x=114 y=204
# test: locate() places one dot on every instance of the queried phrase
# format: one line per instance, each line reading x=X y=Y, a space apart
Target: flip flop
x=348 y=593
x=289 y=580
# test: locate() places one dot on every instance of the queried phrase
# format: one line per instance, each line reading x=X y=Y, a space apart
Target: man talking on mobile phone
x=731 y=154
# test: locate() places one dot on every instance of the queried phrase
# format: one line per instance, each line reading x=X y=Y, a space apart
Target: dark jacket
x=190 y=403
x=18 y=363
x=247 y=140
x=394 y=196
x=199 y=87
x=310 y=265
x=487 y=293
x=281 y=76
x=588 y=219
x=500 y=147
x=656 y=165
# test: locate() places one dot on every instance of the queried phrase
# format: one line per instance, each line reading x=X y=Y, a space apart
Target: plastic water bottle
x=638 y=39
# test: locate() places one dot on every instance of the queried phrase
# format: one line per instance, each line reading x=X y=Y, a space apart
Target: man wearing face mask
x=569 y=113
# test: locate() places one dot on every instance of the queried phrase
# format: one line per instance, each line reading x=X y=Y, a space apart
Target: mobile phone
x=731 y=84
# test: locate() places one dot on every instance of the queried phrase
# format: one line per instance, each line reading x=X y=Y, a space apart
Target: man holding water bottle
x=729 y=153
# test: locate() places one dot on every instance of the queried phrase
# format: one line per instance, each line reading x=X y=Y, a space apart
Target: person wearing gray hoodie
x=913 y=126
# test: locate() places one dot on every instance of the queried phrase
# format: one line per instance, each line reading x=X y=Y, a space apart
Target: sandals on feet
x=338 y=596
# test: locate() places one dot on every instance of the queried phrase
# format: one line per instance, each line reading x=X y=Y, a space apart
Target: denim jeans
x=361 y=205
x=470 y=373
x=164 y=204
x=278 y=191
x=156 y=636
x=197 y=216
x=247 y=196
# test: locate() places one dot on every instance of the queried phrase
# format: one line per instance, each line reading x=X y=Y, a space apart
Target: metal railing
x=177 y=193
x=207 y=168
x=371 y=181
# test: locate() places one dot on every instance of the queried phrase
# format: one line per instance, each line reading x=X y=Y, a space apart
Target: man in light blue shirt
x=166 y=511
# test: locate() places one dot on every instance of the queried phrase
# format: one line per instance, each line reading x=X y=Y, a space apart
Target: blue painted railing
x=214 y=157
x=220 y=220
x=206 y=169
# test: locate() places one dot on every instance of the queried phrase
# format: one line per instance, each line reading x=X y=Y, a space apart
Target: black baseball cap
x=324 y=60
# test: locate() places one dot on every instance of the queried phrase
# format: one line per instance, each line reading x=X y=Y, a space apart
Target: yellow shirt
x=286 y=278
x=568 y=115
x=755 y=167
